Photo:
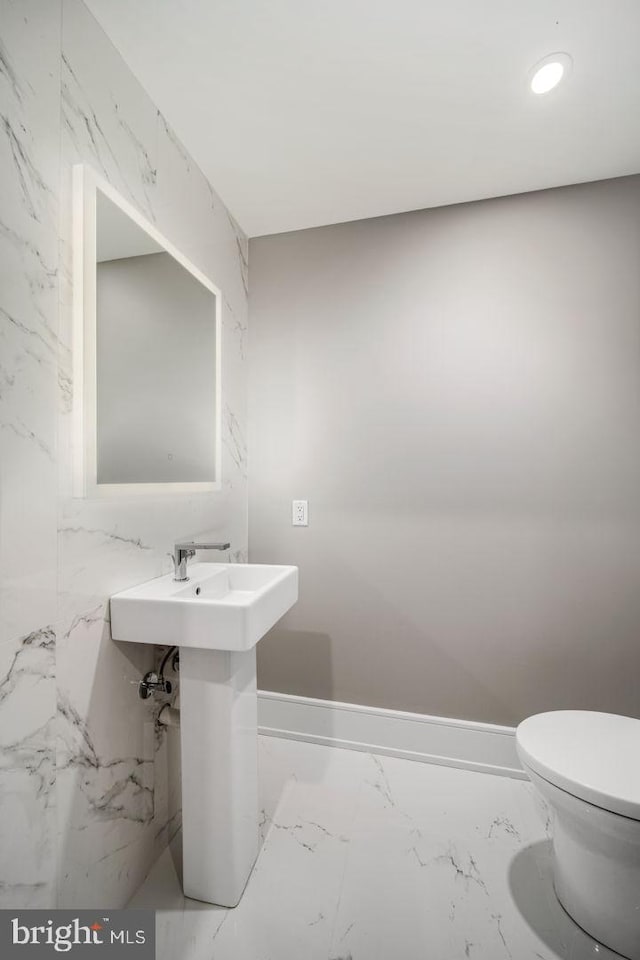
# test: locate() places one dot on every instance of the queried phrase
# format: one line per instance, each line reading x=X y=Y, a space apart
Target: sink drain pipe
x=169 y=716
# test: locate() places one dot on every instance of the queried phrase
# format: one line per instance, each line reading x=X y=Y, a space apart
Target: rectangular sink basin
x=223 y=606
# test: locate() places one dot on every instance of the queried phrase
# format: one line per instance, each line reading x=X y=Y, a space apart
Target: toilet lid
x=594 y=756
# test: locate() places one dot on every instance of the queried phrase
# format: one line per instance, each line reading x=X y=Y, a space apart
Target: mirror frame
x=86 y=183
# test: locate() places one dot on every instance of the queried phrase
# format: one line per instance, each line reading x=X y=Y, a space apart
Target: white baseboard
x=483 y=747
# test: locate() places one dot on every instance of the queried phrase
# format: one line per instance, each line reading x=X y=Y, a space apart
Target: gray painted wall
x=457 y=394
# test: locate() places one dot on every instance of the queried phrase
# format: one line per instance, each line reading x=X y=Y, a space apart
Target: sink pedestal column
x=218 y=728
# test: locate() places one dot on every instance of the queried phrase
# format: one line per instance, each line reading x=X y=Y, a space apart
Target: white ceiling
x=307 y=112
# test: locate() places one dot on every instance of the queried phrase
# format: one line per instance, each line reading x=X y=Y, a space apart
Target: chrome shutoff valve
x=152 y=683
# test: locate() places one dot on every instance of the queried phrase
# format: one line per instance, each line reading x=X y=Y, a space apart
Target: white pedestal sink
x=216 y=618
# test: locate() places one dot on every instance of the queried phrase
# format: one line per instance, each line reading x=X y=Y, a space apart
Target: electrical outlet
x=299 y=513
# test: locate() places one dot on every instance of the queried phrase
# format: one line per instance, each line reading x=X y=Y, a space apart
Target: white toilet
x=587 y=767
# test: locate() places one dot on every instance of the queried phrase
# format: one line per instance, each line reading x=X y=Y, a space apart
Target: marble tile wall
x=29 y=174
x=89 y=793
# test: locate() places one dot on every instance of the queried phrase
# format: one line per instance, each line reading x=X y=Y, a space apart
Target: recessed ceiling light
x=548 y=73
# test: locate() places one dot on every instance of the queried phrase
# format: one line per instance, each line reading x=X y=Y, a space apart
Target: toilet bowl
x=587 y=767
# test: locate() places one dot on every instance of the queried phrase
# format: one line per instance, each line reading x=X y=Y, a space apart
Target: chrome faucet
x=182 y=552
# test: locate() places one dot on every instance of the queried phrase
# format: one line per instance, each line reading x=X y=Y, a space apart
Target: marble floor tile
x=366 y=857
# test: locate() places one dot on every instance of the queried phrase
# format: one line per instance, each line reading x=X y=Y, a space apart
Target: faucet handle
x=182 y=551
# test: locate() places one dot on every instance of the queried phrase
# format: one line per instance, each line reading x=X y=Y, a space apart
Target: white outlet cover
x=299 y=513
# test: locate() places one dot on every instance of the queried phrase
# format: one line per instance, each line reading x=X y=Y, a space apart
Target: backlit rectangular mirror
x=146 y=354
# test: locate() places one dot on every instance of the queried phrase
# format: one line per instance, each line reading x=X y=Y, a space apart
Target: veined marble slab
x=29 y=174
x=367 y=858
x=89 y=790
